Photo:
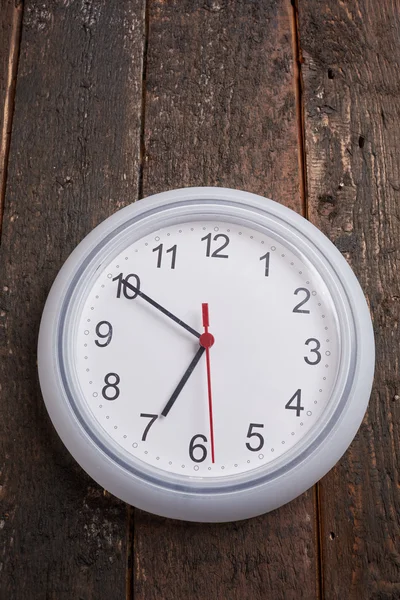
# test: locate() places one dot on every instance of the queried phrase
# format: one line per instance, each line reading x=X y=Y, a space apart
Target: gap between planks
x=130 y=559
x=302 y=161
x=8 y=110
x=318 y=539
x=129 y=553
x=299 y=101
x=142 y=156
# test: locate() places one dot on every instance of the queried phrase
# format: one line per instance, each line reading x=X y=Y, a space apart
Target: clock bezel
x=139 y=483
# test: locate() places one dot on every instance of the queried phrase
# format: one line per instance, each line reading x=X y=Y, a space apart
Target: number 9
x=105 y=336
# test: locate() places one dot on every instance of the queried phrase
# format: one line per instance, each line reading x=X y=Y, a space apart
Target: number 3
x=315 y=350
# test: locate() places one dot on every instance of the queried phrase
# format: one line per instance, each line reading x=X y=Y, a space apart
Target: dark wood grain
x=220 y=110
x=10 y=28
x=74 y=159
x=351 y=56
x=220 y=102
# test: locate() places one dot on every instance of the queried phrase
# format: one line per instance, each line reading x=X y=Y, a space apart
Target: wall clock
x=206 y=354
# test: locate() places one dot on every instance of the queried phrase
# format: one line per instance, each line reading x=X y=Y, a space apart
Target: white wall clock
x=206 y=354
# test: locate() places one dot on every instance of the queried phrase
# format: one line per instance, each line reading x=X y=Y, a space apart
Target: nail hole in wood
x=361 y=141
x=332 y=535
x=331 y=74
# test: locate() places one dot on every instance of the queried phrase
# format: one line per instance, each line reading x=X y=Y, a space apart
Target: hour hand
x=182 y=382
x=160 y=308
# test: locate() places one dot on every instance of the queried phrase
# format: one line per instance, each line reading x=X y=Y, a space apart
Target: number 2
x=306 y=299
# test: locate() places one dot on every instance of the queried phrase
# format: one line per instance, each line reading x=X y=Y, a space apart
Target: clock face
x=244 y=376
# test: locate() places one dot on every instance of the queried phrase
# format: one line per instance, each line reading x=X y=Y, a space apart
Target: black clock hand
x=160 y=308
x=182 y=382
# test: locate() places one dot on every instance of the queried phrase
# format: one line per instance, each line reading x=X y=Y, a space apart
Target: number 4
x=295 y=398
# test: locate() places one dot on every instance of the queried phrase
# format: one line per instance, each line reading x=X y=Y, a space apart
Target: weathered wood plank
x=74 y=160
x=10 y=28
x=220 y=107
x=352 y=110
x=220 y=110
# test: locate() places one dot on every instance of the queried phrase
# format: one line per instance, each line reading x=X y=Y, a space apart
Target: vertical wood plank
x=74 y=160
x=220 y=105
x=351 y=57
x=10 y=28
x=221 y=110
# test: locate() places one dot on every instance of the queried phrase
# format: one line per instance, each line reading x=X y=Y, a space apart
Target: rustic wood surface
x=113 y=102
x=80 y=70
x=351 y=76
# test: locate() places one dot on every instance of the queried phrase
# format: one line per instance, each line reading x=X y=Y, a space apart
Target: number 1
x=266 y=258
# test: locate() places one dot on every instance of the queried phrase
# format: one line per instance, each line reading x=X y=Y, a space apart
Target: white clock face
x=272 y=367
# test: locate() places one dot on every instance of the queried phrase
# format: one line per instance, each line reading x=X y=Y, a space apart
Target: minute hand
x=160 y=308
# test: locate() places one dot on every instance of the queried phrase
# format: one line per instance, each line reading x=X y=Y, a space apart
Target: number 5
x=251 y=434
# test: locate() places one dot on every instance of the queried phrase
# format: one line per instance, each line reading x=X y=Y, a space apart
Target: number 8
x=108 y=385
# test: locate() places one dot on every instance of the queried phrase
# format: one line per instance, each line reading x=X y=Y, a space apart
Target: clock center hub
x=207 y=340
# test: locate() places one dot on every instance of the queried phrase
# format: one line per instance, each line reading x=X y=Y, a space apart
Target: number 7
x=152 y=419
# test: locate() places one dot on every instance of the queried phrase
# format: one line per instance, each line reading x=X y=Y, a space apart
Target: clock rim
x=183 y=503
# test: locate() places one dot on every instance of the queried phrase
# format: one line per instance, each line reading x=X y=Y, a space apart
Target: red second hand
x=207 y=340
